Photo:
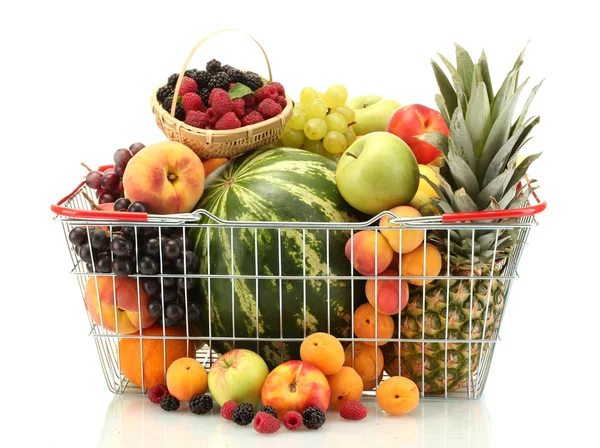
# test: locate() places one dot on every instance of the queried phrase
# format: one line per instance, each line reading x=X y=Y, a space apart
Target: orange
x=397 y=395
x=153 y=355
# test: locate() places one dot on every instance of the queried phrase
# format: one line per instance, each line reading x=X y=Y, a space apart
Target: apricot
x=413 y=263
x=392 y=295
x=212 y=164
x=344 y=385
x=364 y=324
x=360 y=250
x=185 y=378
x=368 y=360
x=397 y=395
x=411 y=239
x=324 y=352
x=370 y=384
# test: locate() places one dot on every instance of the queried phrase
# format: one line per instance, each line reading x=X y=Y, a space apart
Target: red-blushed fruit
x=413 y=120
x=157 y=393
x=265 y=423
x=353 y=410
x=227 y=409
x=292 y=420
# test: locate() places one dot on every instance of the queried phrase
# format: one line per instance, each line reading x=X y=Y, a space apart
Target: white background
x=76 y=79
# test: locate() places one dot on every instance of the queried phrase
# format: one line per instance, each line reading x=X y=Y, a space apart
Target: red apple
x=295 y=386
x=413 y=120
x=237 y=375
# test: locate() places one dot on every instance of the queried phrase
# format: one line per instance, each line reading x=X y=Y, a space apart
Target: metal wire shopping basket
x=444 y=338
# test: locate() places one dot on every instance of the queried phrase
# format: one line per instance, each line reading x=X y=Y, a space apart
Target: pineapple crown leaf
x=523 y=114
x=495 y=189
x=485 y=73
x=463 y=201
x=464 y=65
x=521 y=170
x=506 y=91
x=446 y=90
x=462 y=174
x=462 y=139
x=441 y=104
x=478 y=121
x=437 y=139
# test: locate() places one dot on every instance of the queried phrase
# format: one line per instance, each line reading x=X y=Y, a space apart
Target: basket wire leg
x=376 y=332
x=352 y=293
x=304 y=277
x=280 y=293
x=328 y=273
x=256 y=288
x=447 y=312
x=141 y=341
x=400 y=237
x=470 y=386
x=423 y=314
x=209 y=310
x=162 y=294
x=232 y=289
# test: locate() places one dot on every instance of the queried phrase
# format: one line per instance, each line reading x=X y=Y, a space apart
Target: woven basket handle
x=191 y=55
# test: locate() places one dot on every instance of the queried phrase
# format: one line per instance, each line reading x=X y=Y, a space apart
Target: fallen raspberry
x=191 y=101
x=269 y=108
x=292 y=420
x=157 y=393
x=282 y=101
x=279 y=87
x=227 y=409
x=266 y=423
x=353 y=410
x=197 y=119
x=253 y=117
x=238 y=107
x=187 y=85
x=228 y=121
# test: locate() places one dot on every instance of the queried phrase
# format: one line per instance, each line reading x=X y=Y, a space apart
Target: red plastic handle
x=495 y=214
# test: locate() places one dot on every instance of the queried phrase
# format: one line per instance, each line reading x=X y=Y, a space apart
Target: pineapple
x=480 y=172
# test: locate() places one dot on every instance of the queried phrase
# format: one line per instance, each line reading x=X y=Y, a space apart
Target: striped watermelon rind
x=275 y=185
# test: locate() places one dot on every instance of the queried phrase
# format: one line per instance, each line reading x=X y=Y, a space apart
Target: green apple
x=237 y=375
x=377 y=172
x=374 y=114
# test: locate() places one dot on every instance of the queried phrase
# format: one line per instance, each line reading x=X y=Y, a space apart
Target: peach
x=364 y=324
x=344 y=385
x=168 y=177
x=392 y=295
x=185 y=378
x=117 y=308
x=397 y=395
x=413 y=263
x=412 y=120
x=411 y=239
x=361 y=251
x=324 y=352
x=295 y=386
x=368 y=360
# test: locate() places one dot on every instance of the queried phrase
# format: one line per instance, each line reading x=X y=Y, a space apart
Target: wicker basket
x=209 y=144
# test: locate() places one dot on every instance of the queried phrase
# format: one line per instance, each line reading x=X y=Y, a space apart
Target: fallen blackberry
x=219 y=81
x=163 y=92
x=270 y=410
x=313 y=418
x=243 y=414
x=169 y=403
x=200 y=404
x=213 y=66
x=252 y=80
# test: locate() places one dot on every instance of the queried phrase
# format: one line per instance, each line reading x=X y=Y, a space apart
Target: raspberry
x=313 y=418
x=282 y=101
x=250 y=100
x=266 y=423
x=227 y=409
x=157 y=393
x=169 y=403
x=220 y=103
x=279 y=87
x=292 y=420
x=238 y=107
x=231 y=84
x=213 y=93
x=197 y=119
x=212 y=117
x=353 y=410
x=253 y=117
x=187 y=85
x=270 y=410
x=191 y=101
x=228 y=121
x=269 y=108
x=268 y=91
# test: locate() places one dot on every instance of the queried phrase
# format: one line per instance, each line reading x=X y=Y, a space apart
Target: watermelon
x=273 y=185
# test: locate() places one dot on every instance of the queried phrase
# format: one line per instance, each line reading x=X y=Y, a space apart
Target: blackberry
x=163 y=92
x=213 y=66
x=172 y=80
x=219 y=81
x=169 y=403
x=179 y=112
x=167 y=103
x=313 y=418
x=201 y=77
x=226 y=67
x=252 y=80
x=270 y=410
x=235 y=75
x=243 y=414
x=204 y=94
x=200 y=404
x=190 y=73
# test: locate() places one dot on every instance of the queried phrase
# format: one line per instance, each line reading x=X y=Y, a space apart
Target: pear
x=375 y=116
x=360 y=102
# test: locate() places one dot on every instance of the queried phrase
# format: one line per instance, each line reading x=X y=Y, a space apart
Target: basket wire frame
x=107 y=342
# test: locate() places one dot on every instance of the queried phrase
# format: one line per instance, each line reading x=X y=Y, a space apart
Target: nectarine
x=392 y=295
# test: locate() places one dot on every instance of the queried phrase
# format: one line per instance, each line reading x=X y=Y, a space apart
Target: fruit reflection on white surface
x=133 y=421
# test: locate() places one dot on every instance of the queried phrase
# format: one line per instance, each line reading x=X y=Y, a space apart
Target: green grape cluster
x=321 y=122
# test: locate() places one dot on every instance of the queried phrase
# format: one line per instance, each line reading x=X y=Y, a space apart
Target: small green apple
x=377 y=172
x=237 y=375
